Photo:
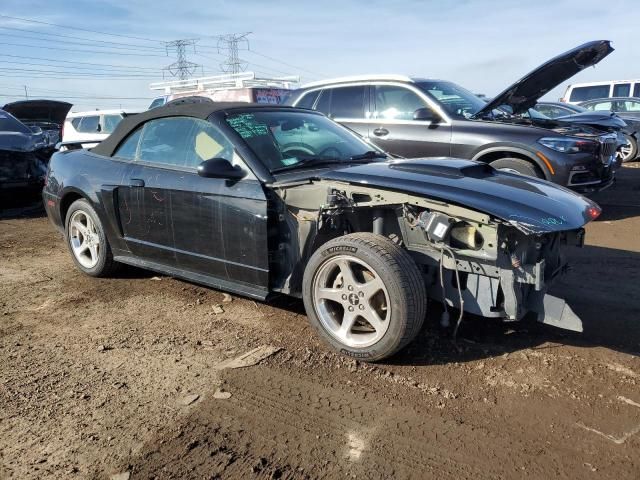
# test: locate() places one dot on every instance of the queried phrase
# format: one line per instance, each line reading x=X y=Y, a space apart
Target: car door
x=210 y=229
x=394 y=129
x=347 y=105
x=220 y=225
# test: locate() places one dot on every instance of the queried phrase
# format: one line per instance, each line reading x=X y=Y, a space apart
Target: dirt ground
x=130 y=377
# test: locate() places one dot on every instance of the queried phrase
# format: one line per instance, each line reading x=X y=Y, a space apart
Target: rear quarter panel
x=80 y=173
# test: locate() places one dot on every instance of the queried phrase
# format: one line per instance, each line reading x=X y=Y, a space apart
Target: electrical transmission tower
x=231 y=44
x=181 y=68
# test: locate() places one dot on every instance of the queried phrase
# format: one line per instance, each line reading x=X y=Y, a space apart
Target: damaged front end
x=479 y=262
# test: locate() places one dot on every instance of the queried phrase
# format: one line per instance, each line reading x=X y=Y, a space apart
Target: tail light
x=593 y=212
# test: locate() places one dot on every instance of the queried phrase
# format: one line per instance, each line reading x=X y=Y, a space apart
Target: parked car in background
x=87 y=129
x=581 y=92
x=626 y=107
x=606 y=121
x=47 y=115
x=24 y=154
x=416 y=117
x=264 y=200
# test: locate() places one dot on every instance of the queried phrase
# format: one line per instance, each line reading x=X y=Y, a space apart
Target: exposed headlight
x=568 y=145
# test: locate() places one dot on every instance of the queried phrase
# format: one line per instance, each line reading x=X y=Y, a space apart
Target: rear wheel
x=629 y=151
x=87 y=241
x=517 y=165
x=364 y=295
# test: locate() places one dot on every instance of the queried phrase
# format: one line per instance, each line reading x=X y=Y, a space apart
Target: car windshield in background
x=457 y=101
x=9 y=124
x=110 y=123
x=285 y=140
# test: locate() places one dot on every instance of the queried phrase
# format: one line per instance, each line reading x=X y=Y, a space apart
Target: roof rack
x=225 y=82
x=359 y=78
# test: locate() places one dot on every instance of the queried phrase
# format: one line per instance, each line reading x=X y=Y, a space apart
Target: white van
x=581 y=92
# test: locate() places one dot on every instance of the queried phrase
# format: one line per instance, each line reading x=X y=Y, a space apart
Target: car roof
x=197 y=110
x=609 y=99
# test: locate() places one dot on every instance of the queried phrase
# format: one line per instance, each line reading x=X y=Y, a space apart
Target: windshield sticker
x=247 y=126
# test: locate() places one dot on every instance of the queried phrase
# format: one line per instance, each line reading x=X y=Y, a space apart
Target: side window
x=396 y=103
x=621 y=90
x=129 y=146
x=182 y=142
x=308 y=99
x=89 y=124
x=631 y=106
x=581 y=94
x=76 y=122
x=324 y=101
x=601 y=106
x=636 y=90
x=110 y=122
x=347 y=102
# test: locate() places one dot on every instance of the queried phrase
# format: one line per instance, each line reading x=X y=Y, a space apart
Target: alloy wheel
x=351 y=301
x=84 y=239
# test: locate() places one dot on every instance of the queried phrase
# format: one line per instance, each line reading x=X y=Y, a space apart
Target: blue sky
x=483 y=45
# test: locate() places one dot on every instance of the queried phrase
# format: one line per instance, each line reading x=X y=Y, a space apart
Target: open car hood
x=39 y=110
x=529 y=204
x=524 y=93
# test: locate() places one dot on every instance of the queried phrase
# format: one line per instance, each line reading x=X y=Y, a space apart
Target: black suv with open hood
x=415 y=117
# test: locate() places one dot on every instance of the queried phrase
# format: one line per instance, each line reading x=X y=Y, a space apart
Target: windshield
x=289 y=139
x=457 y=101
x=8 y=123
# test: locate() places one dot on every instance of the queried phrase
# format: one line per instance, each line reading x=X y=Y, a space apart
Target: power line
x=79 y=38
x=285 y=63
x=97 y=69
x=79 y=63
x=181 y=68
x=122 y=46
x=78 y=28
x=82 y=51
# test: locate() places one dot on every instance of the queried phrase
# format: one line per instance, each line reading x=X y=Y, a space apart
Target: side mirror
x=220 y=168
x=426 y=115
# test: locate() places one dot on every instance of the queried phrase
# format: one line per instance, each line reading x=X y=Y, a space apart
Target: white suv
x=87 y=129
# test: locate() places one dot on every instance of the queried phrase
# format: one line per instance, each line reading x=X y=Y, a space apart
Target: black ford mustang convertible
x=265 y=200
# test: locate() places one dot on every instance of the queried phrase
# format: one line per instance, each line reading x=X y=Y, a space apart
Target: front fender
x=515 y=149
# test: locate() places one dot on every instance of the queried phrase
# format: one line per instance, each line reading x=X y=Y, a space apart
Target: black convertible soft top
x=198 y=110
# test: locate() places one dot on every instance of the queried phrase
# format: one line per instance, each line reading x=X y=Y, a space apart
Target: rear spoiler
x=76 y=145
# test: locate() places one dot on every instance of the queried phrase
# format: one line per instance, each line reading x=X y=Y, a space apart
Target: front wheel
x=364 y=295
x=629 y=151
x=87 y=241
x=517 y=165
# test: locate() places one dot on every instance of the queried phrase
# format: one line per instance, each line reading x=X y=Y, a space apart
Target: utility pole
x=181 y=68
x=26 y=93
x=231 y=44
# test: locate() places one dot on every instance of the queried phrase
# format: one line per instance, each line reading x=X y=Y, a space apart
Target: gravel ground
x=134 y=377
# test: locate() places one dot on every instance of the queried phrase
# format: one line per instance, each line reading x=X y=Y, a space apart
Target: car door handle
x=136 y=182
x=380 y=132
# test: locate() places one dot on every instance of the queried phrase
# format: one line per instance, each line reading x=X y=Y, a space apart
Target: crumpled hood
x=21 y=142
x=529 y=204
x=606 y=120
x=524 y=93
x=39 y=110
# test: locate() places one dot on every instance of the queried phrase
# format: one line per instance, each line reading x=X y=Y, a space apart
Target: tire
x=385 y=291
x=87 y=242
x=517 y=165
x=630 y=151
